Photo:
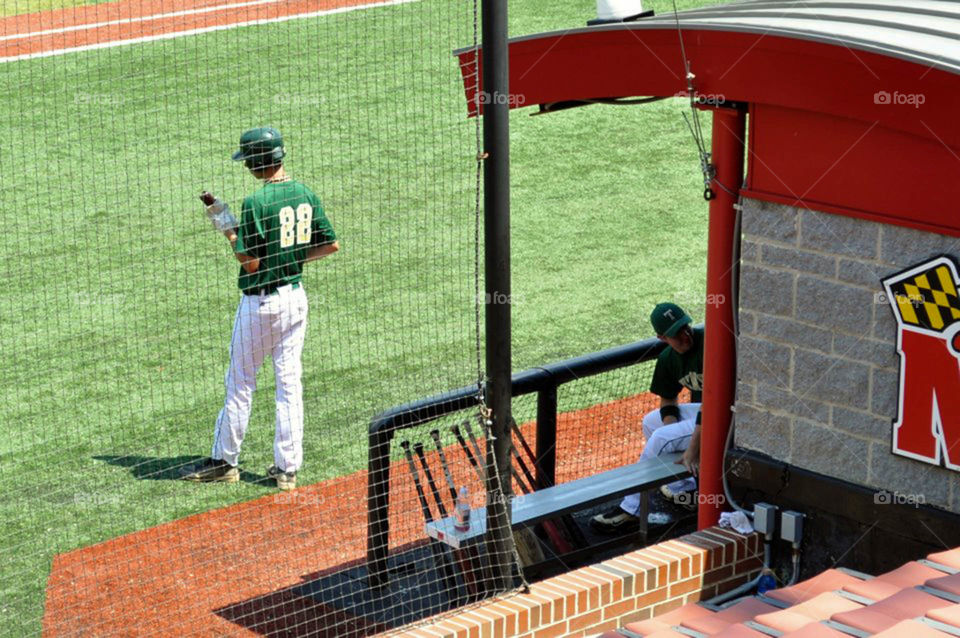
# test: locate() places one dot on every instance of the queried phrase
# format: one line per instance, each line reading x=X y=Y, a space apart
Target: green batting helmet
x=260 y=148
x=668 y=318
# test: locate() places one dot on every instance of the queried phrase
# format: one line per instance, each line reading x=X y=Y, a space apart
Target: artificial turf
x=119 y=298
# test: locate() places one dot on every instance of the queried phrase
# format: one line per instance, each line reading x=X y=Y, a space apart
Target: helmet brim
x=239 y=156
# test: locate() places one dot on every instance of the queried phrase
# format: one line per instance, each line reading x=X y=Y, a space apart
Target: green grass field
x=16 y=7
x=116 y=316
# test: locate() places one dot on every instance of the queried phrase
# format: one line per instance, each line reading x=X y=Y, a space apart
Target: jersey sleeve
x=322 y=229
x=665 y=383
x=250 y=236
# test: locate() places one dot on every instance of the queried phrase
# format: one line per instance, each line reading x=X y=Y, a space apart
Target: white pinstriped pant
x=662 y=439
x=273 y=324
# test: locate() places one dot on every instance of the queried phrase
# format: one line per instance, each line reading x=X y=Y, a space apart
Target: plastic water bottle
x=461 y=512
x=219 y=212
x=767 y=582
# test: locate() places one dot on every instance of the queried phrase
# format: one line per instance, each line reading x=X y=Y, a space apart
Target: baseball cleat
x=615 y=520
x=686 y=500
x=210 y=471
x=285 y=480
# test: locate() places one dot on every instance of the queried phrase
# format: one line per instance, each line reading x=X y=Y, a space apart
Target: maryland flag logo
x=926 y=302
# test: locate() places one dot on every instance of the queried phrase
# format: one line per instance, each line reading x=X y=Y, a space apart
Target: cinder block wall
x=817 y=362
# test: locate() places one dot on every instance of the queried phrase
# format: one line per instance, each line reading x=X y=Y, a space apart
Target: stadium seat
x=739 y=630
x=815 y=630
x=820 y=607
x=949 y=615
x=911 y=629
x=908 y=603
x=743 y=610
x=667 y=620
x=829 y=580
x=888 y=584
x=950 y=558
x=949 y=584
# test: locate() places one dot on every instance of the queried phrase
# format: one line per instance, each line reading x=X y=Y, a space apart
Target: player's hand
x=691 y=460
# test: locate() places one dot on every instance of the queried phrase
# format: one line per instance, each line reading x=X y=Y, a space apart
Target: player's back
x=280 y=223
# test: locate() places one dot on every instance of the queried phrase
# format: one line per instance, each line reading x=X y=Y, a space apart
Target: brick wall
x=634 y=586
x=817 y=362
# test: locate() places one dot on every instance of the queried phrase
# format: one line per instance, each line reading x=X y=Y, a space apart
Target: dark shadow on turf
x=149 y=468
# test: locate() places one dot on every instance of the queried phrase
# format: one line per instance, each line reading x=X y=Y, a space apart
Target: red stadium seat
x=949 y=584
x=909 y=603
x=815 y=630
x=829 y=580
x=667 y=620
x=746 y=609
x=949 y=615
x=911 y=629
x=950 y=558
x=820 y=607
x=888 y=584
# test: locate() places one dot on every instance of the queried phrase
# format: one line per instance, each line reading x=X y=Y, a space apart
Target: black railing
x=543 y=380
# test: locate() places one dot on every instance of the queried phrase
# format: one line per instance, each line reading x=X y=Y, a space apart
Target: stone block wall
x=818 y=368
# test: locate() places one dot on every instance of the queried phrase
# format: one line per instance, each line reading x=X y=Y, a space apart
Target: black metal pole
x=546 y=460
x=378 y=505
x=496 y=192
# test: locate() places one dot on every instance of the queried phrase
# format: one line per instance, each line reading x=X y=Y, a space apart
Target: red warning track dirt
x=240 y=561
x=112 y=22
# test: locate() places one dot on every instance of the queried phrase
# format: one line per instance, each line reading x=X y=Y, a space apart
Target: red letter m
x=928 y=425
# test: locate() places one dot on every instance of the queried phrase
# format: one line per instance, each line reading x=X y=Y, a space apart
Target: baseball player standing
x=675 y=427
x=282 y=227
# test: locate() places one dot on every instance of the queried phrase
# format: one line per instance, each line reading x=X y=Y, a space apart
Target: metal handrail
x=543 y=380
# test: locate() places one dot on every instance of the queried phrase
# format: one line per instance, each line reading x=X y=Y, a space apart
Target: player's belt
x=266 y=291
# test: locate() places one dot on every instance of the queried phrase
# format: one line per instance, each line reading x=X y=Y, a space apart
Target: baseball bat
x=527 y=555
x=418 y=448
x=560 y=544
x=435 y=434
x=439 y=555
x=573 y=530
x=469 y=553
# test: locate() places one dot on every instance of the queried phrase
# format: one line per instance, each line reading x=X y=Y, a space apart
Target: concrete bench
x=529 y=509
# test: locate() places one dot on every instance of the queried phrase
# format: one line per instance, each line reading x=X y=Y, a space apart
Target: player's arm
x=691 y=456
x=247 y=239
x=669 y=410
x=323 y=250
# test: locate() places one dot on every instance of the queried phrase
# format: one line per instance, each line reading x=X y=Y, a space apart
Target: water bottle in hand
x=219 y=212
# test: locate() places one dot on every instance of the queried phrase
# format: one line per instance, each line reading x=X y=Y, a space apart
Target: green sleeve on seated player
x=665 y=375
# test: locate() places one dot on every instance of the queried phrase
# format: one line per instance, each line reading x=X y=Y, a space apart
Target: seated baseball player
x=675 y=427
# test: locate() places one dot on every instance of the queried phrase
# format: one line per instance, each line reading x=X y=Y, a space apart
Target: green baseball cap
x=667 y=319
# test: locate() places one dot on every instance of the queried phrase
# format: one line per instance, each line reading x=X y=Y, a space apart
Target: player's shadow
x=148 y=468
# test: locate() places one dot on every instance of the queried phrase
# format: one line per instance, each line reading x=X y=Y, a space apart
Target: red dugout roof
x=853 y=104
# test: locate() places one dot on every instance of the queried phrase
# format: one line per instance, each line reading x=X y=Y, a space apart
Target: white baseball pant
x=663 y=439
x=273 y=324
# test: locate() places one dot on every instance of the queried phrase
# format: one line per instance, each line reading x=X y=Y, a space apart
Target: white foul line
x=219 y=27
x=156 y=16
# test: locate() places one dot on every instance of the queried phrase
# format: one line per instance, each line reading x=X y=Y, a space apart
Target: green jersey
x=676 y=371
x=279 y=224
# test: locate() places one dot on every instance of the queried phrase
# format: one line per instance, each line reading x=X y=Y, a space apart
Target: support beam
x=720 y=366
x=496 y=192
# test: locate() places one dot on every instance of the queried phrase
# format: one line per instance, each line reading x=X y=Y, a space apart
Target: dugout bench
x=552 y=502
x=548 y=500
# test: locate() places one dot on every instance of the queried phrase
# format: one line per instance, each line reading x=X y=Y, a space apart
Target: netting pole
x=546 y=437
x=496 y=192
